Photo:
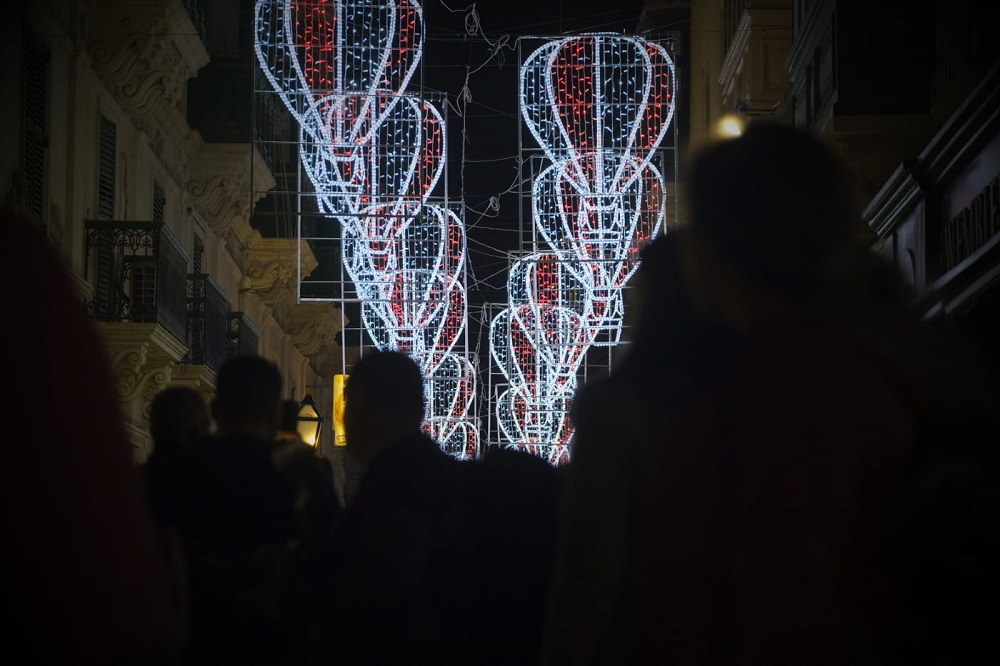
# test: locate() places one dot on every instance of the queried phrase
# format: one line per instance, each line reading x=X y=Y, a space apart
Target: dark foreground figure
x=770 y=478
x=235 y=511
x=83 y=583
x=401 y=561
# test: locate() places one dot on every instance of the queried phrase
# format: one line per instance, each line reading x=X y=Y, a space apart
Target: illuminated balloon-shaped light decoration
x=598 y=106
x=600 y=236
x=374 y=154
x=538 y=342
x=417 y=304
x=601 y=95
x=316 y=52
x=384 y=181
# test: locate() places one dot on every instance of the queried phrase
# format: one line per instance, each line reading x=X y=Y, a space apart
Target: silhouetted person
x=834 y=401
x=757 y=531
x=620 y=423
x=311 y=474
x=401 y=550
x=237 y=519
x=83 y=582
x=317 y=511
x=178 y=420
x=514 y=503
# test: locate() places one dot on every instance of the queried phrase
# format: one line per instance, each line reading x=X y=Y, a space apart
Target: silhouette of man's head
x=178 y=419
x=248 y=397
x=384 y=403
x=773 y=203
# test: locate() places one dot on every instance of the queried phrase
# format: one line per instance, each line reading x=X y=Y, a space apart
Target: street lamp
x=309 y=421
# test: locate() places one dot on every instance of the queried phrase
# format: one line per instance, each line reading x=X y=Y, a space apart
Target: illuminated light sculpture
x=538 y=343
x=415 y=299
x=599 y=235
x=334 y=63
x=451 y=394
x=387 y=176
x=374 y=154
x=599 y=107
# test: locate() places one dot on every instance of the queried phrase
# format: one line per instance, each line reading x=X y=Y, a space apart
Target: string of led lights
x=374 y=154
x=598 y=107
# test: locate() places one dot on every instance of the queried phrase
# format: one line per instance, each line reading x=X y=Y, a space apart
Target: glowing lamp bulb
x=729 y=126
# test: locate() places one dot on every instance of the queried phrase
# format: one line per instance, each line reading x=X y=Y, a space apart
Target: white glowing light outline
x=374 y=154
x=592 y=208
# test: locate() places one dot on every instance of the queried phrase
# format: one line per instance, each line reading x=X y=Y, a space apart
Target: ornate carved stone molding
x=271 y=273
x=226 y=180
x=145 y=52
x=143 y=358
x=313 y=327
x=328 y=362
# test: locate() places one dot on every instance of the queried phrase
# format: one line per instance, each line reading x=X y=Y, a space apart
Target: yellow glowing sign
x=339 y=434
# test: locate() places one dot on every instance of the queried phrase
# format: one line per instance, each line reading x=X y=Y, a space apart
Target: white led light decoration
x=599 y=107
x=374 y=154
x=318 y=53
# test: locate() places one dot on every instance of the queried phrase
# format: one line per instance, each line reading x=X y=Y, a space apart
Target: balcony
x=138 y=270
x=207 y=322
x=243 y=338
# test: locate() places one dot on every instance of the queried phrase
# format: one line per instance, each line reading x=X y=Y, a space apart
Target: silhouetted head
x=247 y=397
x=771 y=212
x=773 y=205
x=384 y=403
x=178 y=419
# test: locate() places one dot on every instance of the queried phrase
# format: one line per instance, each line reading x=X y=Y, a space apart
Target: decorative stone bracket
x=271 y=275
x=145 y=52
x=313 y=327
x=226 y=180
x=143 y=359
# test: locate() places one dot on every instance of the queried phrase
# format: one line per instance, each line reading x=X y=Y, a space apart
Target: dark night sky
x=490 y=119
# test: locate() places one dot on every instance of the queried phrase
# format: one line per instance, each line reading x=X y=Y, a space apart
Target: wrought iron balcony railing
x=207 y=321
x=139 y=272
x=243 y=338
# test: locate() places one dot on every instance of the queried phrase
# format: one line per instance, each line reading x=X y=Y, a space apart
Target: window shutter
x=36 y=72
x=159 y=201
x=105 y=266
x=107 y=162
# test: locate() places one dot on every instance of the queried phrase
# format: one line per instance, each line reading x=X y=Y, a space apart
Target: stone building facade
x=909 y=92
x=153 y=217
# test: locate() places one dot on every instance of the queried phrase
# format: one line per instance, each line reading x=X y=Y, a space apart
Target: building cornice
x=313 y=327
x=976 y=122
x=894 y=202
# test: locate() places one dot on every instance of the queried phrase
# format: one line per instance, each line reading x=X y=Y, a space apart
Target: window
x=141 y=272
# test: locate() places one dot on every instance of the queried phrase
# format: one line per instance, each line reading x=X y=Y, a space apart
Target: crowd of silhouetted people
x=787 y=467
